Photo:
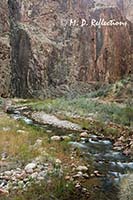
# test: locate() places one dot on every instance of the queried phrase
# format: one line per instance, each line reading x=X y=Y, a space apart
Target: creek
x=111 y=165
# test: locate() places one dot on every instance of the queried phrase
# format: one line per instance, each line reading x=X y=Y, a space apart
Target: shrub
x=126 y=188
x=56 y=189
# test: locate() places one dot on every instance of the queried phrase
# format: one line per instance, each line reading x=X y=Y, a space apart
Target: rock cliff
x=4 y=49
x=50 y=56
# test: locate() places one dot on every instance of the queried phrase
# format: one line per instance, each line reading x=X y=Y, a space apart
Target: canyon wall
x=51 y=58
x=4 y=49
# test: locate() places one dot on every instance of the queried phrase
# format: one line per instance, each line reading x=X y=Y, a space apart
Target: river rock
x=49 y=131
x=6 y=178
x=67 y=177
x=20 y=131
x=86 y=175
x=78 y=185
x=34 y=175
x=3 y=192
x=58 y=161
x=84 y=134
x=30 y=167
x=3 y=183
x=55 y=138
x=21 y=175
x=78 y=175
x=8 y=173
x=127 y=152
x=96 y=173
x=121 y=138
x=82 y=168
x=84 y=190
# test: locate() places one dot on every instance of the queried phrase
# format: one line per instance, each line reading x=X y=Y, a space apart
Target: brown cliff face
x=125 y=6
x=4 y=49
x=50 y=57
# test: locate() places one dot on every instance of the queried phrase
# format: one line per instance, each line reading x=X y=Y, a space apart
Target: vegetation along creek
x=51 y=144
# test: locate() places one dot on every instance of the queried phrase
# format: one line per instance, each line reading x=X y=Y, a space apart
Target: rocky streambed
x=35 y=171
x=110 y=165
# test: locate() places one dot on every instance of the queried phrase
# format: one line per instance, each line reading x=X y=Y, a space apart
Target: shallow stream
x=111 y=165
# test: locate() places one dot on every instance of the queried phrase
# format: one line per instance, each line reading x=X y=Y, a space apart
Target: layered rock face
x=50 y=56
x=4 y=49
x=125 y=6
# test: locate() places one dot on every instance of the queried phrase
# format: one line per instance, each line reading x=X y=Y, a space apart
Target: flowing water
x=113 y=165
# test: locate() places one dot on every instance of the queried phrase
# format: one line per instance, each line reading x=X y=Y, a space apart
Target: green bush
x=1 y=101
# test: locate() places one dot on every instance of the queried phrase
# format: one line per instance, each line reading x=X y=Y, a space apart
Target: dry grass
x=18 y=145
x=14 y=145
